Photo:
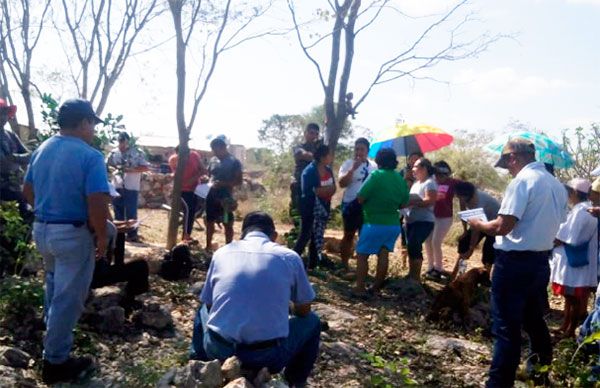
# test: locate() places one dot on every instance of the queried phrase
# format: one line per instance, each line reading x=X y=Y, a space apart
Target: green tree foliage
x=105 y=134
x=584 y=146
x=470 y=162
x=16 y=248
x=281 y=132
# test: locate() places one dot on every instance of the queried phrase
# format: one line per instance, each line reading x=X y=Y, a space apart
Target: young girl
x=318 y=186
x=574 y=262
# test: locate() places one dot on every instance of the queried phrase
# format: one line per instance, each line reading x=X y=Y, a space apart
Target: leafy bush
x=105 y=134
x=583 y=145
x=572 y=368
x=16 y=248
x=470 y=162
x=391 y=372
x=20 y=298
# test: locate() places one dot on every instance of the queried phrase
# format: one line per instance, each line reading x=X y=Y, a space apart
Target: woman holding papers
x=574 y=265
x=420 y=219
x=469 y=198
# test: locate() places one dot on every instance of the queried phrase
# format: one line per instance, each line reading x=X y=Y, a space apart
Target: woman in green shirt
x=384 y=192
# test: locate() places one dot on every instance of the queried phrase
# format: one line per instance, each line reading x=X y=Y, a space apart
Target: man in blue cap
x=67 y=185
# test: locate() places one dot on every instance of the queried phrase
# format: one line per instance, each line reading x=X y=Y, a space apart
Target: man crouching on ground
x=246 y=300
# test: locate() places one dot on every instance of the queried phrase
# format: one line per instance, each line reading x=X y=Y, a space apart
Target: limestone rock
x=240 y=382
x=231 y=368
x=155 y=316
x=336 y=317
x=340 y=349
x=204 y=374
x=196 y=288
x=167 y=379
x=111 y=320
x=14 y=357
x=438 y=345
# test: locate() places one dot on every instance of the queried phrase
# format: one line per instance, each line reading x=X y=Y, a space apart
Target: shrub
x=20 y=298
x=16 y=248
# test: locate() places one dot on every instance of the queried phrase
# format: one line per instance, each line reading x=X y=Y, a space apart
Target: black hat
x=75 y=110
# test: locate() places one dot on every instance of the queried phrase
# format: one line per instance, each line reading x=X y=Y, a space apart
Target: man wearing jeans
x=128 y=164
x=534 y=206
x=67 y=185
x=246 y=304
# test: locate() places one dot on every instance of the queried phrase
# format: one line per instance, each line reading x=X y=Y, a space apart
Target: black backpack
x=177 y=264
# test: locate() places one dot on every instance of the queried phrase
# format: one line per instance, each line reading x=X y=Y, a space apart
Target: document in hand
x=473 y=213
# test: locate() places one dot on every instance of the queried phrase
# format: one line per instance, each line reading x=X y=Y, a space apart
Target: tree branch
x=303 y=46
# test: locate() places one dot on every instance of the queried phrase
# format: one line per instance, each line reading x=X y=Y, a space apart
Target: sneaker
x=72 y=369
x=433 y=274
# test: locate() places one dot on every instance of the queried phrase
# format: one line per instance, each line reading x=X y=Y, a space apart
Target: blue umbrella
x=546 y=149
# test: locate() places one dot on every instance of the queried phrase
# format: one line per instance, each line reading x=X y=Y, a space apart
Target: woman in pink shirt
x=194 y=169
x=443 y=213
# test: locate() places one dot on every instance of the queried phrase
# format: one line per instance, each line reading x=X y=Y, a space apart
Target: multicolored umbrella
x=406 y=139
x=546 y=149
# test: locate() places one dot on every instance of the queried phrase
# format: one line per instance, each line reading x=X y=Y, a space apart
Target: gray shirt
x=422 y=213
x=489 y=204
x=224 y=170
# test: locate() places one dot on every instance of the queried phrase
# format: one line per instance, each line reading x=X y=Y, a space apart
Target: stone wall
x=155 y=190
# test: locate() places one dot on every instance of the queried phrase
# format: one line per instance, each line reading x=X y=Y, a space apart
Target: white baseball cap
x=580 y=184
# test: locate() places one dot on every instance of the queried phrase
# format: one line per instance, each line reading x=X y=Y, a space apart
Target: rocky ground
x=381 y=342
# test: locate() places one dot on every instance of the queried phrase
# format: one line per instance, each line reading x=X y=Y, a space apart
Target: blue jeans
x=68 y=254
x=297 y=353
x=519 y=296
x=126 y=206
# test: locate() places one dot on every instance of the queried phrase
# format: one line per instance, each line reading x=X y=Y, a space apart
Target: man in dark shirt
x=13 y=159
x=303 y=155
x=225 y=173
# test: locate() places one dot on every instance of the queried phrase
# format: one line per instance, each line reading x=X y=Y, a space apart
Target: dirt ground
x=380 y=342
x=384 y=341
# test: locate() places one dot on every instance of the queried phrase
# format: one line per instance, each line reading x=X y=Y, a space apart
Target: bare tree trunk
x=176 y=7
x=32 y=134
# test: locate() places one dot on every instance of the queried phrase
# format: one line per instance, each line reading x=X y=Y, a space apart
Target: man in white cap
x=534 y=206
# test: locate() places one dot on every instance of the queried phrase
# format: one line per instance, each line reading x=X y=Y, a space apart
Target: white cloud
x=591 y=2
x=506 y=83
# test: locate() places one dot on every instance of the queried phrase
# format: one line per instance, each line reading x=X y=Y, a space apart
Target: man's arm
x=345 y=178
x=501 y=226
x=28 y=193
x=98 y=214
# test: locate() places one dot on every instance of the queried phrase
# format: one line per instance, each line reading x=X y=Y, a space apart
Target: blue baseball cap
x=75 y=110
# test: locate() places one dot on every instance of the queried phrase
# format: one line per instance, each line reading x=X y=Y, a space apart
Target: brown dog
x=332 y=245
x=458 y=295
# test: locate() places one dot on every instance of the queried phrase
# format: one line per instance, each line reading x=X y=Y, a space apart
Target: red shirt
x=193 y=170
x=326 y=180
x=445 y=195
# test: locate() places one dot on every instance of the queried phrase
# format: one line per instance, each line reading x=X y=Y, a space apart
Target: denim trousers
x=126 y=206
x=306 y=235
x=519 y=296
x=68 y=254
x=191 y=200
x=297 y=353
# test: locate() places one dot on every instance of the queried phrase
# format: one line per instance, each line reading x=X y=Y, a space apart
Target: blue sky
x=547 y=77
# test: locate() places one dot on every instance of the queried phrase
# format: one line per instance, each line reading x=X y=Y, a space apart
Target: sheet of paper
x=473 y=213
x=202 y=190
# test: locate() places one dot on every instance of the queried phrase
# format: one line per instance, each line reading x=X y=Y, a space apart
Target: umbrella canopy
x=546 y=149
x=406 y=139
